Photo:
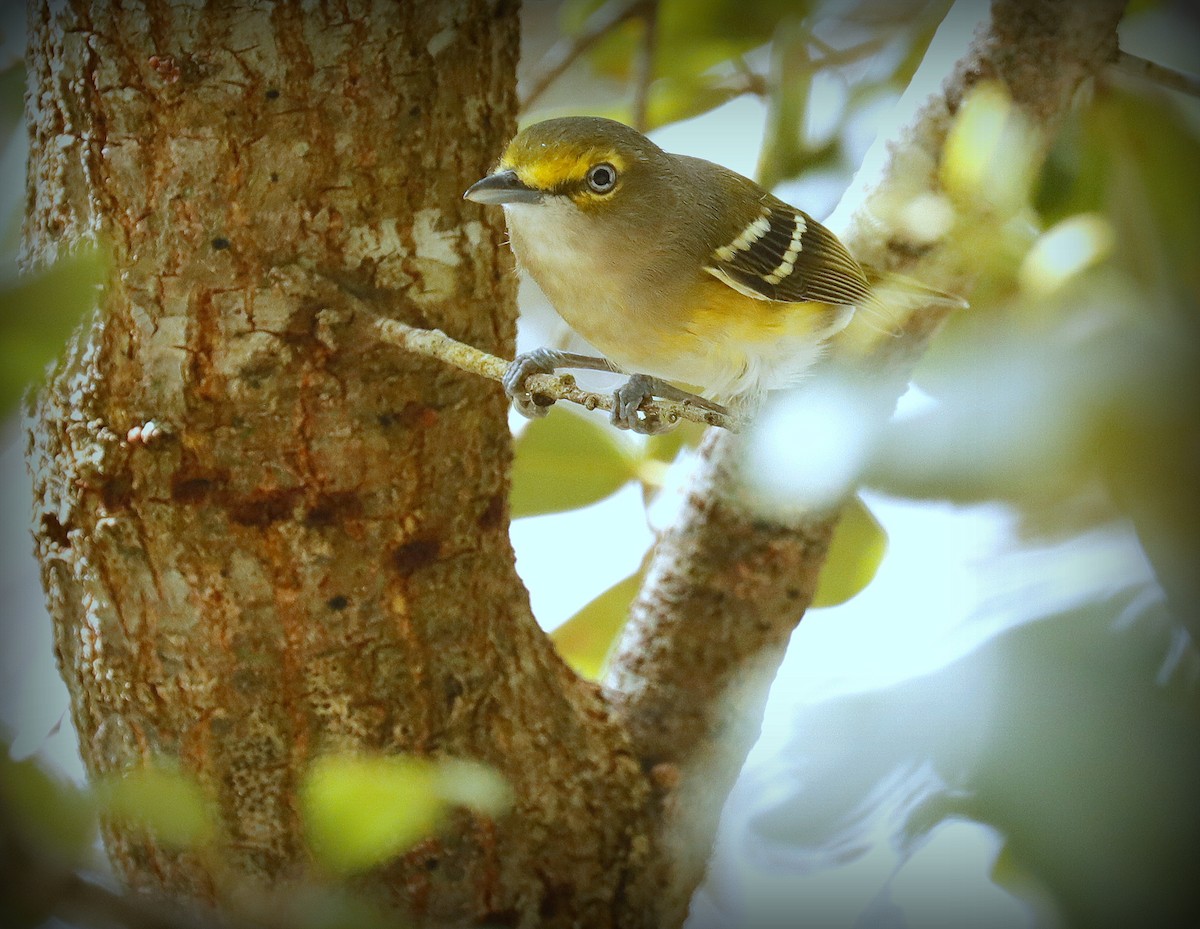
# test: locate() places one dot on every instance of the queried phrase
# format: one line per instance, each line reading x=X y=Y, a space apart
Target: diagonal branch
x=1143 y=68
x=726 y=588
x=565 y=53
x=436 y=344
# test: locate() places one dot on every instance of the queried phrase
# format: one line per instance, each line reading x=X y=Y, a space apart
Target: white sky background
x=934 y=598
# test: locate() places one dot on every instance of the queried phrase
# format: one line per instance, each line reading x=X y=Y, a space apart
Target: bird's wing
x=785 y=255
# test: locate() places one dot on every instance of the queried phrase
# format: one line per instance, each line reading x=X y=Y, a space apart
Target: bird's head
x=597 y=166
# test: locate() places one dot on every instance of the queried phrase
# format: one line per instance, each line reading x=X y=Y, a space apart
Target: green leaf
x=564 y=462
x=38 y=312
x=674 y=99
x=692 y=37
x=361 y=811
x=1130 y=156
x=12 y=98
x=666 y=447
x=46 y=812
x=160 y=799
x=585 y=639
x=990 y=160
x=857 y=550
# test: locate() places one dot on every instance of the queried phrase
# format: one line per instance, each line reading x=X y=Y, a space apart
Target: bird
x=678 y=270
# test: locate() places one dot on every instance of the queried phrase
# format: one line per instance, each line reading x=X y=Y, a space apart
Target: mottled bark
x=726 y=587
x=313 y=556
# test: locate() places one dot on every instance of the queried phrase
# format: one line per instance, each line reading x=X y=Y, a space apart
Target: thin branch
x=1147 y=70
x=643 y=70
x=436 y=344
x=836 y=57
x=564 y=53
x=747 y=80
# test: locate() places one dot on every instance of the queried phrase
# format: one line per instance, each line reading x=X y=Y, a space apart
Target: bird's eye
x=602 y=178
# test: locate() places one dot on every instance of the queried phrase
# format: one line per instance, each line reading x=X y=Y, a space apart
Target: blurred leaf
x=47 y=813
x=612 y=55
x=991 y=153
x=855 y=554
x=1132 y=157
x=585 y=639
x=748 y=25
x=161 y=799
x=361 y=811
x=38 y=312
x=666 y=447
x=884 y=13
x=12 y=100
x=674 y=99
x=1154 y=195
x=693 y=35
x=1067 y=249
x=1086 y=693
x=1075 y=735
x=566 y=461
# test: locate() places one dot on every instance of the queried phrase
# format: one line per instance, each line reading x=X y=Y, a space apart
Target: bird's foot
x=526 y=364
x=627 y=402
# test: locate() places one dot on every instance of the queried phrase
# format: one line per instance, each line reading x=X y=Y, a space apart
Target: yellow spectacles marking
x=545 y=170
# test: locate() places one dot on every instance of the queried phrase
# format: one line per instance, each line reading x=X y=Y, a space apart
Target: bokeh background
x=993 y=716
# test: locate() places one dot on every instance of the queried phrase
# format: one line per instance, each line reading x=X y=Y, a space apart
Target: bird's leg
x=543 y=361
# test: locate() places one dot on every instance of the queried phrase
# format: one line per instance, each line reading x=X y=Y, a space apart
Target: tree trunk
x=311 y=555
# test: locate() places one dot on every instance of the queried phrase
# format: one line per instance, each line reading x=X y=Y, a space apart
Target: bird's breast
x=595 y=289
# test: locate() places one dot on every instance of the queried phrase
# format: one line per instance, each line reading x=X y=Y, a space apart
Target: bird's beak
x=502 y=187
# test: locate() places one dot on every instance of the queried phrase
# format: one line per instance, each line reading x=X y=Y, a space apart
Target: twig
x=564 y=53
x=1160 y=74
x=832 y=57
x=643 y=70
x=436 y=344
x=747 y=80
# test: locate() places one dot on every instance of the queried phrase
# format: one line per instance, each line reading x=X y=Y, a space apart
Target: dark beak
x=502 y=187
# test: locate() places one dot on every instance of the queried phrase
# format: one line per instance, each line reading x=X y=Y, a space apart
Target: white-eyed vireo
x=674 y=267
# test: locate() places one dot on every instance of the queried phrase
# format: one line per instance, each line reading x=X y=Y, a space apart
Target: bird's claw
x=627 y=412
x=526 y=364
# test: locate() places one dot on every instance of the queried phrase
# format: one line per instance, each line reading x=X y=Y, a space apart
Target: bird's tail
x=895 y=289
x=894 y=301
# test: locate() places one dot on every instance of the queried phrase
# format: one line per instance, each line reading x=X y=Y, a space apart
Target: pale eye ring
x=602 y=178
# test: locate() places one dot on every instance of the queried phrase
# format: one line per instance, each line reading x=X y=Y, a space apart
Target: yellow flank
x=723 y=314
x=725 y=342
